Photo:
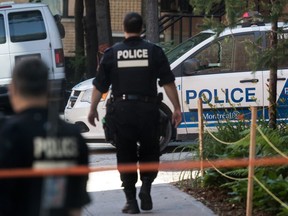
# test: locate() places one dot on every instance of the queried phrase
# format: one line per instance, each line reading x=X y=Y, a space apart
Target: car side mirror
x=190 y=66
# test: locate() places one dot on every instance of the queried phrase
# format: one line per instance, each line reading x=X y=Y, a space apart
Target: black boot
x=131 y=206
x=144 y=195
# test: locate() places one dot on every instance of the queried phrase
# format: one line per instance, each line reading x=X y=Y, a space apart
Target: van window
x=2 y=30
x=26 y=26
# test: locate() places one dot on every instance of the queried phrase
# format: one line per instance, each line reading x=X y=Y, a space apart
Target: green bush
x=274 y=178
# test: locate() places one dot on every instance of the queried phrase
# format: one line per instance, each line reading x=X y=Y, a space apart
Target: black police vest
x=133 y=71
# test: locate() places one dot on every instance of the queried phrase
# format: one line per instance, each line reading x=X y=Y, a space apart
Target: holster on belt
x=159 y=97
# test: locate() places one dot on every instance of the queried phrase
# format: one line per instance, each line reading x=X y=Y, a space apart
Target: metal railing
x=172 y=25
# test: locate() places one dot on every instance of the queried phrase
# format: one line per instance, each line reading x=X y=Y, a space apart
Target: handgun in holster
x=160 y=97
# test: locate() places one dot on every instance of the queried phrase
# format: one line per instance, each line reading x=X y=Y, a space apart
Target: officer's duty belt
x=132 y=97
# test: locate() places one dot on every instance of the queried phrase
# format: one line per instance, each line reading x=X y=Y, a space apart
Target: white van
x=216 y=68
x=28 y=31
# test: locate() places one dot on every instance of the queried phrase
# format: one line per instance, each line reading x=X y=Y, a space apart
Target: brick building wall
x=18 y=1
x=69 y=40
x=117 y=11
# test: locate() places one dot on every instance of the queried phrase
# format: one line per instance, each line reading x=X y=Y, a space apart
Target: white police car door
x=28 y=36
x=219 y=73
x=4 y=52
x=282 y=82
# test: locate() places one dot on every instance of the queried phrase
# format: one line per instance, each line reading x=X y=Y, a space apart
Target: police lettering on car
x=235 y=95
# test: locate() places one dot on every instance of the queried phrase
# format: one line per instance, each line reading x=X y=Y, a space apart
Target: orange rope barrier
x=168 y=166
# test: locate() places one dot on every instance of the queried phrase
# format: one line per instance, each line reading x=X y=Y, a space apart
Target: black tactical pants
x=135 y=125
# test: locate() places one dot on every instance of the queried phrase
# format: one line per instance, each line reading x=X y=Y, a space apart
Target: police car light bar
x=251 y=18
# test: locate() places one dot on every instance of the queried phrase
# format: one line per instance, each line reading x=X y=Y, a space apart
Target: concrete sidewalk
x=108 y=197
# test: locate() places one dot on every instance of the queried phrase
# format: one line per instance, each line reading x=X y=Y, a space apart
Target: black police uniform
x=25 y=144
x=133 y=67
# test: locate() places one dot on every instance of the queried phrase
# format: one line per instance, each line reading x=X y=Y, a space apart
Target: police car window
x=182 y=48
x=216 y=57
x=283 y=45
x=241 y=58
x=26 y=26
x=2 y=30
x=227 y=54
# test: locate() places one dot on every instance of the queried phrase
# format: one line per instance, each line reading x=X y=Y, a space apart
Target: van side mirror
x=60 y=26
x=190 y=66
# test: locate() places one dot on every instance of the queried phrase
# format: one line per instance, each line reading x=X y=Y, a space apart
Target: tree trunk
x=79 y=41
x=91 y=39
x=152 y=26
x=103 y=25
x=144 y=12
x=273 y=77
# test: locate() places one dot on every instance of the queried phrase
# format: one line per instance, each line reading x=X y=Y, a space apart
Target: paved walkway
x=108 y=197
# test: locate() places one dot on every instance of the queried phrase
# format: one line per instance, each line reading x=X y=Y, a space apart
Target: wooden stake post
x=201 y=132
x=249 y=201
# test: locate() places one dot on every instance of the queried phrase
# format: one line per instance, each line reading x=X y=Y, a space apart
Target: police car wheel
x=164 y=140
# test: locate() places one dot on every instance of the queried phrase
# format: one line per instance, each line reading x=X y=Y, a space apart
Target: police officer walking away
x=28 y=140
x=132 y=67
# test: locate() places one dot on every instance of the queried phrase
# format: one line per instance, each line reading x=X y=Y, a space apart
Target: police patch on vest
x=132 y=58
x=52 y=148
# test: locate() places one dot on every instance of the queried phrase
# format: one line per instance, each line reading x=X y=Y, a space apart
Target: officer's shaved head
x=133 y=23
x=30 y=78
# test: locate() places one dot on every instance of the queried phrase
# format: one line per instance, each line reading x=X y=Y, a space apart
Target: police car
x=215 y=68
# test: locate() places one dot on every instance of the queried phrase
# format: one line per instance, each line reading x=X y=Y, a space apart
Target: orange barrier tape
x=226 y=163
x=168 y=166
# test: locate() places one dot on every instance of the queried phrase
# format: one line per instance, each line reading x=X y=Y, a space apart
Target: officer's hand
x=91 y=117
x=176 y=118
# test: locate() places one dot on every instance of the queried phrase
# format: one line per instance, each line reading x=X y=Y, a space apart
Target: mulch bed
x=217 y=199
